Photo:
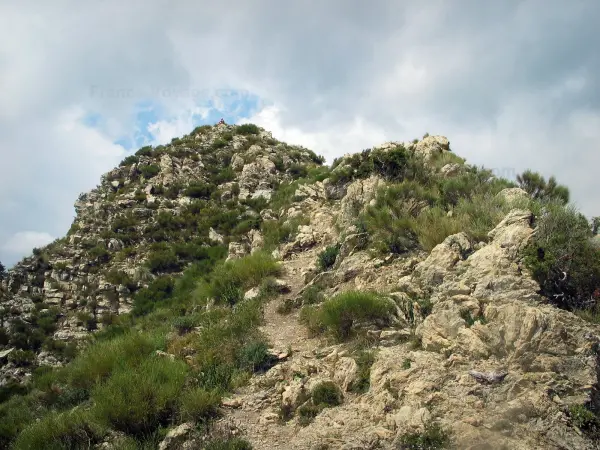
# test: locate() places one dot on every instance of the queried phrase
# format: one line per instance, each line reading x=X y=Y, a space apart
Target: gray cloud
x=512 y=84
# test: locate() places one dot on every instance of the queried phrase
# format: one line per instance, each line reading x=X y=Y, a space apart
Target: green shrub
x=57 y=431
x=563 y=260
x=364 y=361
x=328 y=256
x=199 y=405
x=119 y=277
x=16 y=413
x=391 y=164
x=100 y=360
x=298 y=171
x=157 y=292
x=200 y=190
x=99 y=253
x=433 y=438
x=137 y=400
x=185 y=324
x=307 y=412
x=537 y=186
x=218 y=143
x=145 y=151
x=231 y=278
x=200 y=129
x=340 y=312
x=255 y=357
x=149 y=171
x=129 y=160
x=163 y=261
x=312 y=295
x=247 y=128
x=326 y=393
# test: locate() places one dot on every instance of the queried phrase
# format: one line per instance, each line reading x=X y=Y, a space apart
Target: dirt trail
x=256 y=415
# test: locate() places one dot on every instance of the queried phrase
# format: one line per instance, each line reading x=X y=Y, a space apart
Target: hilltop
x=231 y=291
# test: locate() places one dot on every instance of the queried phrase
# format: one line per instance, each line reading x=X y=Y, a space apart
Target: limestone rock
x=442 y=259
x=432 y=145
x=177 y=437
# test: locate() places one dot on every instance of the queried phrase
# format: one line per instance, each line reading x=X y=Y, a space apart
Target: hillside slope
x=229 y=291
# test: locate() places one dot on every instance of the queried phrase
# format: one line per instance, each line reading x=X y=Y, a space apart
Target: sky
x=513 y=85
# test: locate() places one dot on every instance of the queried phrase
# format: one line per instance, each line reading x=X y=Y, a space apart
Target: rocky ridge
x=472 y=345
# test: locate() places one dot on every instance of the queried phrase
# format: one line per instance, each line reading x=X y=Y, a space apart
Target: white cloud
x=24 y=241
x=511 y=84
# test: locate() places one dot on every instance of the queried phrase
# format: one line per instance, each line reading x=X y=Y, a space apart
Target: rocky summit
x=231 y=291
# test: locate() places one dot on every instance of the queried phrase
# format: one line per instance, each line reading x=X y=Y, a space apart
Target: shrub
x=298 y=171
x=98 y=361
x=312 y=295
x=537 y=186
x=137 y=400
x=99 y=253
x=129 y=160
x=199 y=405
x=326 y=393
x=157 y=292
x=199 y=190
x=434 y=437
x=232 y=277
x=145 y=151
x=149 y=170
x=340 y=312
x=119 y=277
x=307 y=412
x=218 y=143
x=247 y=128
x=164 y=260
x=255 y=357
x=364 y=361
x=73 y=429
x=391 y=164
x=563 y=260
x=328 y=256
x=15 y=414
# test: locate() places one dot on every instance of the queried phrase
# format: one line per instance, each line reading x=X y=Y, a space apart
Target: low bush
x=149 y=171
x=199 y=405
x=57 y=431
x=364 y=361
x=326 y=394
x=144 y=151
x=434 y=437
x=341 y=312
x=163 y=261
x=129 y=160
x=563 y=259
x=255 y=357
x=230 y=279
x=247 y=128
x=99 y=361
x=200 y=190
x=137 y=400
x=328 y=256
x=146 y=299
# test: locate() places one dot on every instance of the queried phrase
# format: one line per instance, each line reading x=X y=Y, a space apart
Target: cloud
x=24 y=241
x=512 y=84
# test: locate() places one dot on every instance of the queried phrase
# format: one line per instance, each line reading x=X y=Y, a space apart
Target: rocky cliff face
x=468 y=344
x=147 y=218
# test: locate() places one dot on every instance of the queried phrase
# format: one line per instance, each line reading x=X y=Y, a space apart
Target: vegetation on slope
x=189 y=303
x=123 y=382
